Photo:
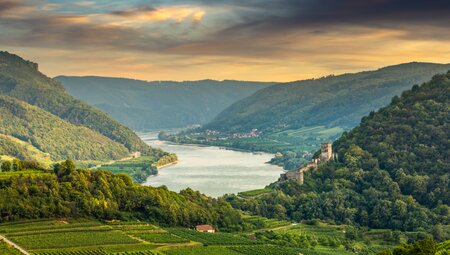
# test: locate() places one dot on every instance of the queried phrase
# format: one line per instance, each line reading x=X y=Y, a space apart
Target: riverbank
x=213 y=170
x=280 y=162
x=167 y=165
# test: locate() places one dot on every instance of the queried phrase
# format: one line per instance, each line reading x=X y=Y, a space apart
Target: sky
x=261 y=40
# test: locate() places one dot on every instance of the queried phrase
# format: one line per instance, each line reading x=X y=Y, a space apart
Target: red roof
x=204 y=227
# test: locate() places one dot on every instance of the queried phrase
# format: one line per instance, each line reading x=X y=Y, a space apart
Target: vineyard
x=212 y=239
x=5 y=249
x=91 y=237
x=262 y=222
x=160 y=237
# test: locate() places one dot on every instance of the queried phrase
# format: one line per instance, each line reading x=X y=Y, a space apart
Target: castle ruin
x=326 y=154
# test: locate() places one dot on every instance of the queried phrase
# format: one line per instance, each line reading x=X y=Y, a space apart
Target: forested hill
x=332 y=101
x=43 y=133
x=70 y=192
x=393 y=169
x=410 y=140
x=22 y=80
x=145 y=105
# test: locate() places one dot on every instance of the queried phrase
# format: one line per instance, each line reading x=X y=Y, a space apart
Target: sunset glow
x=245 y=40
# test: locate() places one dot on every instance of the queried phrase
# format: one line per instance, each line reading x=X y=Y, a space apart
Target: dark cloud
x=282 y=15
x=254 y=28
x=7 y=5
x=133 y=11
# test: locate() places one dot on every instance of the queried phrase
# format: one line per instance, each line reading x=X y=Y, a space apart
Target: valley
x=192 y=127
x=212 y=170
x=293 y=118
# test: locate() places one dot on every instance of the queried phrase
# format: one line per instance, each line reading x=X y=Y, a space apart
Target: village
x=213 y=135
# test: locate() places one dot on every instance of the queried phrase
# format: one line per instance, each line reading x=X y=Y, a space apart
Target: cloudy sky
x=278 y=40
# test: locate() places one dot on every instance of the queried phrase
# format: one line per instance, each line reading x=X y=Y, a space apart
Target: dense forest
x=422 y=247
x=21 y=79
x=332 y=100
x=144 y=106
x=392 y=172
x=69 y=192
x=50 y=134
x=41 y=121
x=294 y=118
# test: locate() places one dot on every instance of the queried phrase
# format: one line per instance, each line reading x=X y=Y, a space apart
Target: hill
x=331 y=101
x=393 y=170
x=70 y=192
x=21 y=79
x=74 y=211
x=50 y=134
x=144 y=105
x=294 y=118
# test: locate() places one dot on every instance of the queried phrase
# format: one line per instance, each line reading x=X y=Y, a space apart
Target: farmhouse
x=135 y=154
x=325 y=155
x=205 y=228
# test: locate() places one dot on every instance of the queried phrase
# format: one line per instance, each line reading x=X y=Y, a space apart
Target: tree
x=64 y=168
x=17 y=165
x=6 y=166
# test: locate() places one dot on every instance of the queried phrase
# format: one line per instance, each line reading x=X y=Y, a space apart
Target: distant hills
x=294 y=118
x=331 y=101
x=144 y=105
x=392 y=170
x=38 y=117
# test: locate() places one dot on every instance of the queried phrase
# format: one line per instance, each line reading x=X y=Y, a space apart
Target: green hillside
x=70 y=192
x=393 y=170
x=294 y=118
x=145 y=105
x=50 y=134
x=331 y=101
x=21 y=79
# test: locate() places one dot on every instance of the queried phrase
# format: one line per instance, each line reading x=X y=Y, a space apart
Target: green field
x=130 y=165
x=254 y=193
x=91 y=237
x=33 y=152
x=7 y=175
x=138 y=168
x=158 y=237
x=212 y=239
x=265 y=223
x=6 y=249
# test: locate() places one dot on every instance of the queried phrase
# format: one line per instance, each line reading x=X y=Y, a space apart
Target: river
x=211 y=170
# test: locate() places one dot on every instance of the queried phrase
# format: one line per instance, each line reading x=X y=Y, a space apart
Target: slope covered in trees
x=50 y=134
x=294 y=118
x=332 y=101
x=21 y=79
x=393 y=169
x=145 y=105
x=68 y=192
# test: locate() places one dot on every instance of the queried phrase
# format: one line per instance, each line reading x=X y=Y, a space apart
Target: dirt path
x=14 y=245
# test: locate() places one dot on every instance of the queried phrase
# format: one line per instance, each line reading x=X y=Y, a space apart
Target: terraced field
x=78 y=237
x=6 y=249
x=265 y=223
x=91 y=237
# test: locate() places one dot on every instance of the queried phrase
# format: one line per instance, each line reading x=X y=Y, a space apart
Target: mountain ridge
x=21 y=79
x=391 y=171
x=44 y=114
x=61 y=139
x=149 y=105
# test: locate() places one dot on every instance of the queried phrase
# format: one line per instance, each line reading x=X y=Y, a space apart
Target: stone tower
x=326 y=152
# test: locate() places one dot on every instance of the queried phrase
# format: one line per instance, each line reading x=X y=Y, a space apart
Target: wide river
x=212 y=170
